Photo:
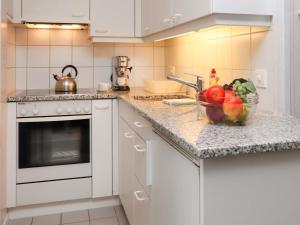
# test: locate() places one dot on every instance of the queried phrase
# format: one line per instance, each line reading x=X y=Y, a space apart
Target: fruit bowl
x=229 y=109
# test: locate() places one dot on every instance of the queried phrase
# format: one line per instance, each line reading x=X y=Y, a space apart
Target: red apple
x=215 y=94
x=215 y=113
x=233 y=107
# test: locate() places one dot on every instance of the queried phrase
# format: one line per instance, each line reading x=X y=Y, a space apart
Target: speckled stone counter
x=50 y=95
x=181 y=124
x=265 y=133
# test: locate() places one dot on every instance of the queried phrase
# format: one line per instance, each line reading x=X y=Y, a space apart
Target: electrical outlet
x=261 y=79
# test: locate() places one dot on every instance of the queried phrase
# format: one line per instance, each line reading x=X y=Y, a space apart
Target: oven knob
x=69 y=110
x=35 y=111
x=59 y=110
x=86 y=109
x=23 y=112
x=78 y=110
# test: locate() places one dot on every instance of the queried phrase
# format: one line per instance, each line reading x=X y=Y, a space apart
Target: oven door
x=53 y=148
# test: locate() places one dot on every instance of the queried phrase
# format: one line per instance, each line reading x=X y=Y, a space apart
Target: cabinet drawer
x=53 y=191
x=142 y=162
x=139 y=124
x=142 y=210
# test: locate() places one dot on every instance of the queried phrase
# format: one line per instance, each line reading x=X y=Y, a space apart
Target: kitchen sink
x=158 y=97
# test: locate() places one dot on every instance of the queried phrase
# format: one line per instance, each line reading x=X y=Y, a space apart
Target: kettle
x=66 y=83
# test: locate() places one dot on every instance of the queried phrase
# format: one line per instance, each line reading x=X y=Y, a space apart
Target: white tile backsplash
x=82 y=56
x=60 y=56
x=38 y=78
x=46 y=52
x=38 y=56
x=61 y=37
x=38 y=37
x=103 y=56
x=102 y=74
x=21 y=56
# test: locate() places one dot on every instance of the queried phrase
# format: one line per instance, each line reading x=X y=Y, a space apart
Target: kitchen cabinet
x=56 y=11
x=114 y=18
x=147 y=17
x=204 y=13
x=126 y=177
x=102 y=148
x=175 y=191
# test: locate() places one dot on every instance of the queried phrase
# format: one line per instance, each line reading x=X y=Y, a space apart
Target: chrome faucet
x=198 y=86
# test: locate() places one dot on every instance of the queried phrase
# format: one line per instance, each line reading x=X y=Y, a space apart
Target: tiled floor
x=100 y=216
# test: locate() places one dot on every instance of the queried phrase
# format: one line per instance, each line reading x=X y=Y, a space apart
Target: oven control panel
x=54 y=108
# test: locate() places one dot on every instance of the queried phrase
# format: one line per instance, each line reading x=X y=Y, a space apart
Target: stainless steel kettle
x=66 y=83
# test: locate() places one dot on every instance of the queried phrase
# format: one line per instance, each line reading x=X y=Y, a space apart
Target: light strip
x=175 y=36
x=56 y=26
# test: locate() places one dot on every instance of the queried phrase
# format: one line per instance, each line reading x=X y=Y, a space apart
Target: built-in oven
x=53 y=141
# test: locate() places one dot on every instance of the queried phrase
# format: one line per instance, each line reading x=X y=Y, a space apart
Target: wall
x=42 y=52
x=7 y=84
x=237 y=52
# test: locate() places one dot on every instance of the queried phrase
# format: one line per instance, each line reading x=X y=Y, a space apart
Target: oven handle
x=52 y=119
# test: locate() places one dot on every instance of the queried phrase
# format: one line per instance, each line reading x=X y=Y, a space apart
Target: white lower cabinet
x=175 y=192
x=126 y=178
x=157 y=184
x=102 y=155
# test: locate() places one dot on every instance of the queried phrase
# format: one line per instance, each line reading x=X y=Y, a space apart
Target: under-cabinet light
x=56 y=26
x=175 y=36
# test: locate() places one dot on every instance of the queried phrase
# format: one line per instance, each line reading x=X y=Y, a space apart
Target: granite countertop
x=50 y=95
x=181 y=124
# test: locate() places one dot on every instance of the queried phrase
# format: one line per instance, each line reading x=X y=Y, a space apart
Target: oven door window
x=54 y=143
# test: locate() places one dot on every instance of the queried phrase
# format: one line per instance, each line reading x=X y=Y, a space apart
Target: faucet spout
x=198 y=86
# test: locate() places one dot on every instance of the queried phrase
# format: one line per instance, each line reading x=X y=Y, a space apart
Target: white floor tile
x=23 y=221
x=73 y=217
x=102 y=213
x=47 y=220
x=107 y=221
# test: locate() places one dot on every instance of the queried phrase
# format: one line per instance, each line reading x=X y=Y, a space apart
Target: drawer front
x=53 y=191
x=139 y=124
x=142 y=210
x=142 y=162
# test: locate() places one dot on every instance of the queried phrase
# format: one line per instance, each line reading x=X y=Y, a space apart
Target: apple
x=233 y=107
x=215 y=113
x=202 y=95
x=215 y=94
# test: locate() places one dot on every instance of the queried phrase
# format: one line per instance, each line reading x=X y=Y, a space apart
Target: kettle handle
x=70 y=66
x=55 y=77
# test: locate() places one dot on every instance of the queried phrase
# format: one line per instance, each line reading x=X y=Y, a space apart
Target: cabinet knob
x=176 y=18
x=128 y=135
x=138 y=124
x=139 y=148
x=140 y=196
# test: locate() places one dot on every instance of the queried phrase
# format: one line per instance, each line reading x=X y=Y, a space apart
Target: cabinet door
x=56 y=11
x=188 y=10
x=141 y=205
x=175 y=192
x=147 y=16
x=114 y=18
x=162 y=18
x=126 y=175
x=102 y=148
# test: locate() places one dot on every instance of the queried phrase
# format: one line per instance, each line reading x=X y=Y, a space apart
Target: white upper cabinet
x=113 y=18
x=167 y=14
x=162 y=13
x=56 y=11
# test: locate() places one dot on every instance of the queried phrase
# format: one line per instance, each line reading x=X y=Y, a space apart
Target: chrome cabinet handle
x=99 y=107
x=128 y=135
x=138 y=124
x=78 y=15
x=139 y=148
x=139 y=198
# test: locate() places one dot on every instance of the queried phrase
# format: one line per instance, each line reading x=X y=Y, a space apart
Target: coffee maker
x=121 y=73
